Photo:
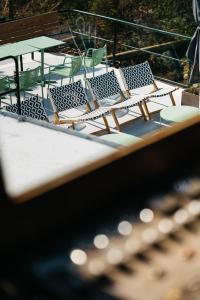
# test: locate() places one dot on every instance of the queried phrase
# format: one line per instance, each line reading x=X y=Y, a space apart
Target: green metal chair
x=30 y=78
x=94 y=57
x=70 y=67
x=4 y=87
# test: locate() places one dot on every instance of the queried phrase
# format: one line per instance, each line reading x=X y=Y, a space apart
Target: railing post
x=114 y=43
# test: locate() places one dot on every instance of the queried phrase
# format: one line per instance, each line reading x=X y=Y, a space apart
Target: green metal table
x=41 y=43
x=178 y=113
x=15 y=49
x=29 y=46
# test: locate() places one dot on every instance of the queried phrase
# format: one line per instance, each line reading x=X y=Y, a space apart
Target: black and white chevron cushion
x=93 y=115
x=128 y=103
x=104 y=86
x=31 y=107
x=68 y=96
x=137 y=76
x=162 y=92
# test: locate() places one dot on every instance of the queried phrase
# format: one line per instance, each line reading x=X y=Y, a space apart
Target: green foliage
x=104 y=7
x=194 y=89
x=170 y=15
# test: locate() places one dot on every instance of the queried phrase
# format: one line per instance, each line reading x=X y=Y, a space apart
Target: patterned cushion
x=104 y=86
x=137 y=76
x=31 y=107
x=162 y=92
x=159 y=93
x=93 y=115
x=68 y=96
x=136 y=100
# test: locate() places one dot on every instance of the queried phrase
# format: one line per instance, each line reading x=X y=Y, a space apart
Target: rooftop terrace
x=43 y=151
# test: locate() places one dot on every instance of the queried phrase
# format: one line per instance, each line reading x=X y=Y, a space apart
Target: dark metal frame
x=16 y=77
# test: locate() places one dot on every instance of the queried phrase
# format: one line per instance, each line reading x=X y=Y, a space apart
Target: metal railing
x=130 y=43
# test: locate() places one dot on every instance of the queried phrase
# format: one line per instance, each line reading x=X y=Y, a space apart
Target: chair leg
x=85 y=73
x=10 y=99
x=106 y=65
x=49 y=80
x=56 y=118
x=172 y=99
x=93 y=70
x=43 y=93
x=146 y=110
x=73 y=125
x=115 y=119
x=142 y=111
x=106 y=124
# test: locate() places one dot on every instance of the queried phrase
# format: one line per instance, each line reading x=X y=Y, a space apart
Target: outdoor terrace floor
x=32 y=155
x=131 y=122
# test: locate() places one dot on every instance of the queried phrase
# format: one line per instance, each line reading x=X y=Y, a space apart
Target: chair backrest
x=137 y=76
x=104 y=86
x=94 y=56
x=99 y=54
x=31 y=107
x=67 y=96
x=4 y=84
x=76 y=63
x=29 y=78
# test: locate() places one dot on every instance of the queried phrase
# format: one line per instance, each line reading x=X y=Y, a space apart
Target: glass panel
x=130 y=43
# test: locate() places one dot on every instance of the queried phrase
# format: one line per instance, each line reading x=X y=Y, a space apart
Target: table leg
x=21 y=62
x=42 y=66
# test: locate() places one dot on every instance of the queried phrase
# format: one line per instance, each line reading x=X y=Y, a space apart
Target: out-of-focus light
x=96 y=266
x=78 y=257
x=181 y=216
x=146 y=215
x=165 y=226
x=114 y=256
x=125 y=228
x=131 y=245
x=150 y=235
x=194 y=207
x=101 y=241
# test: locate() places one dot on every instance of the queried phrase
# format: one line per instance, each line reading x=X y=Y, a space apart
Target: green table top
x=121 y=138
x=178 y=113
x=28 y=46
x=42 y=42
x=15 y=49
